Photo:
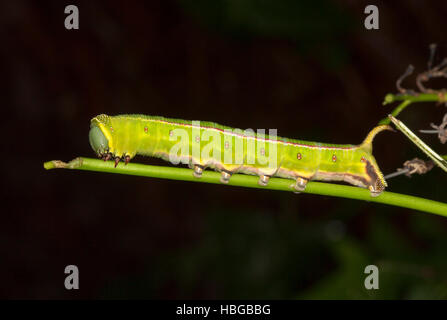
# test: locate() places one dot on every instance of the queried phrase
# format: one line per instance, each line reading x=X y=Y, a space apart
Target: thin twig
x=407 y=73
x=241 y=180
x=441 y=130
x=433 y=47
x=438 y=71
x=410 y=167
x=439 y=160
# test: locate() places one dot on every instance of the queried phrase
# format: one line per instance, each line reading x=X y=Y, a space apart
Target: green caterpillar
x=232 y=151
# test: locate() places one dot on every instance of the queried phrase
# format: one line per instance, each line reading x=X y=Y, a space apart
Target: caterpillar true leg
x=198 y=169
x=300 y=184
x=126 y=159
x=263 y=180
x=225 y=177
x=107 y=157
x=117 y=160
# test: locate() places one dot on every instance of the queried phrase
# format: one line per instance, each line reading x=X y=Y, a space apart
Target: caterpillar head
x=98 y=135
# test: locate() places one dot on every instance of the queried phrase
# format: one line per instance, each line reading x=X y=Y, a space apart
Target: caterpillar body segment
x=209 y=145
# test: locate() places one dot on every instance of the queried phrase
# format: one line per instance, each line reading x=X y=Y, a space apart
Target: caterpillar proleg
x=209 y=145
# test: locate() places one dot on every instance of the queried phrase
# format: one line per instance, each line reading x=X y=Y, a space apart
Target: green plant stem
x=395 y=112
x=241 y=180
x=419 y=97
x=408 y=99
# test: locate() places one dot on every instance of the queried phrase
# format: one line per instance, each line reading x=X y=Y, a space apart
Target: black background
x=309 y=69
